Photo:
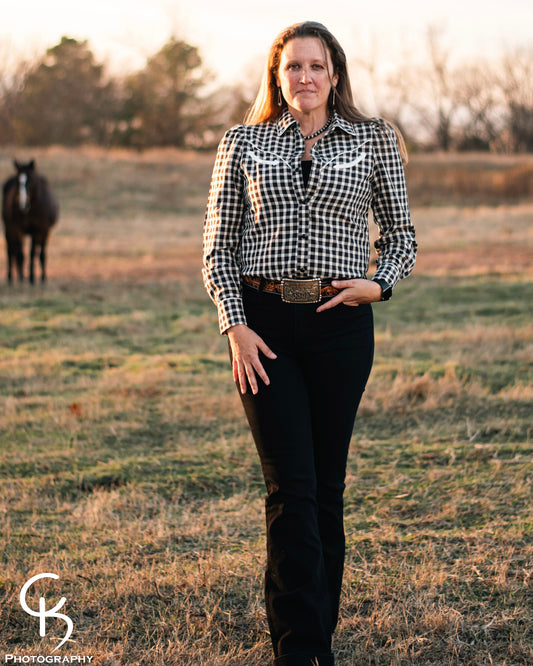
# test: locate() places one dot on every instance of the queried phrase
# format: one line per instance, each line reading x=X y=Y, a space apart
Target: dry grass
x=126 y=466
x=467 y=179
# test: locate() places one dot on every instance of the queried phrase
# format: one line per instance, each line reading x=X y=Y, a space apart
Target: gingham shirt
x=261 y=220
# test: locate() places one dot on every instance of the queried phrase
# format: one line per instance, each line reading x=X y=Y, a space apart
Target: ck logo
x=42 y=613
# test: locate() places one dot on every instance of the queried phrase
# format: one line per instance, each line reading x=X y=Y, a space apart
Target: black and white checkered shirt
x=261 y=220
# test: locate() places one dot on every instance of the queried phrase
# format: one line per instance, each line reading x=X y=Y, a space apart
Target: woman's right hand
x=245 y=347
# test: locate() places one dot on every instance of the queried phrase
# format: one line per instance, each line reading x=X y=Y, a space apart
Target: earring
x=279 y=96
x=333 y=98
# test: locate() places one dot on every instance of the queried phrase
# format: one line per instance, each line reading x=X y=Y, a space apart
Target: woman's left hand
x=354 y=292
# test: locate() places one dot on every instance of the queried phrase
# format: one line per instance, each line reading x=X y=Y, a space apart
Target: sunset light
x=266 y=275
x=235 y=34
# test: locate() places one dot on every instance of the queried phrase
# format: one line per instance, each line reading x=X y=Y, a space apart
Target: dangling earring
x=279 y=96
x=333 y=98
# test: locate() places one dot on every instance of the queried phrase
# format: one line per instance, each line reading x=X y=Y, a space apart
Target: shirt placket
x=302 y=229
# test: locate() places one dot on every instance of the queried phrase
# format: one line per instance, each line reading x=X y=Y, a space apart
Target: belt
x=293 y=290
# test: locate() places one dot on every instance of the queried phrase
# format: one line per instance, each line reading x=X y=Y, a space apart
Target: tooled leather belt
x=294 y=290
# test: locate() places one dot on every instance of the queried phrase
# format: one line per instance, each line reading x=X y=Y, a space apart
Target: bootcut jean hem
x=305 y=659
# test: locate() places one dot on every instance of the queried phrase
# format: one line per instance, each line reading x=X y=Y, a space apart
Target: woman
x=286 y=251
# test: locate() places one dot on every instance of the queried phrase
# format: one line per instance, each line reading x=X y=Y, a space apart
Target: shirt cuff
x=230 y=313
x=388 y=272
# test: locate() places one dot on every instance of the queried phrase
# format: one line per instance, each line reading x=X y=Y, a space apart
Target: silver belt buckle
x=301 y=291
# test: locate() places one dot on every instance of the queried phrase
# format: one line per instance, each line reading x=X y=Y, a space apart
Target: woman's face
x=305 y=75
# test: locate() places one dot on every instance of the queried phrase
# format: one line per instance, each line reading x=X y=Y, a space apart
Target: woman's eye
x=293 y=67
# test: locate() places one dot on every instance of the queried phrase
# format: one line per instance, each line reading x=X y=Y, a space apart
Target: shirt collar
x=343 y=124
x=286 y=120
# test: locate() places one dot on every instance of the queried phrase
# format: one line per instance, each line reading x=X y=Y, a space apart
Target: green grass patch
x=126 y=465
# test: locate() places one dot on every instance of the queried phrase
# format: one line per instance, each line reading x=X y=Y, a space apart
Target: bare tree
x=443 y=100
x=375 y=88
x=427 y=94
x=516 y=85
x=13 y=71
x=482 y=114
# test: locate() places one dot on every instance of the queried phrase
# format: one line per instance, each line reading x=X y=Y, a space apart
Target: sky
x=233 y=36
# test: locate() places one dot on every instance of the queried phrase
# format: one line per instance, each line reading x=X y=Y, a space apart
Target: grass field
x=126 y=466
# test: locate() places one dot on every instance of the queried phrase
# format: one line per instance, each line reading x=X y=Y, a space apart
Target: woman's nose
x=305 y=75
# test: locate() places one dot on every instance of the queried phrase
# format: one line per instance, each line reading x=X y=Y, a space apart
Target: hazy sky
x=233 y=35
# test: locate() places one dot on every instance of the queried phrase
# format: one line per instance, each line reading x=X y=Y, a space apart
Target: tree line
x=446 y=105
x=66 y=97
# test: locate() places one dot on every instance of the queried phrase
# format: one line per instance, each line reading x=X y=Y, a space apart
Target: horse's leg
x=39 y=240
x=18 y=253
x=42 y=259
x=32 y=259
x=10 y=258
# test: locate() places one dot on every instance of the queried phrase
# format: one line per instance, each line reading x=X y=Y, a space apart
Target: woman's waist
x=295 y=289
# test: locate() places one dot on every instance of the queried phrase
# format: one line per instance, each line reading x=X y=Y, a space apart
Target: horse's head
x=26 y=178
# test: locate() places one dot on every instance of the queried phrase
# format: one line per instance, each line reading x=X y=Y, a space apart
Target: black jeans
x=302 y=424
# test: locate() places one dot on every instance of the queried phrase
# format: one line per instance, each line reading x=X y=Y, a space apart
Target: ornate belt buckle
x=301 y=291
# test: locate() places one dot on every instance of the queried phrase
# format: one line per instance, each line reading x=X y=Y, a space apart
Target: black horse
x=28 y=208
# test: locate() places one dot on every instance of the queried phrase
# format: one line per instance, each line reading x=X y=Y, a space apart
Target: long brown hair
x=265 y=107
